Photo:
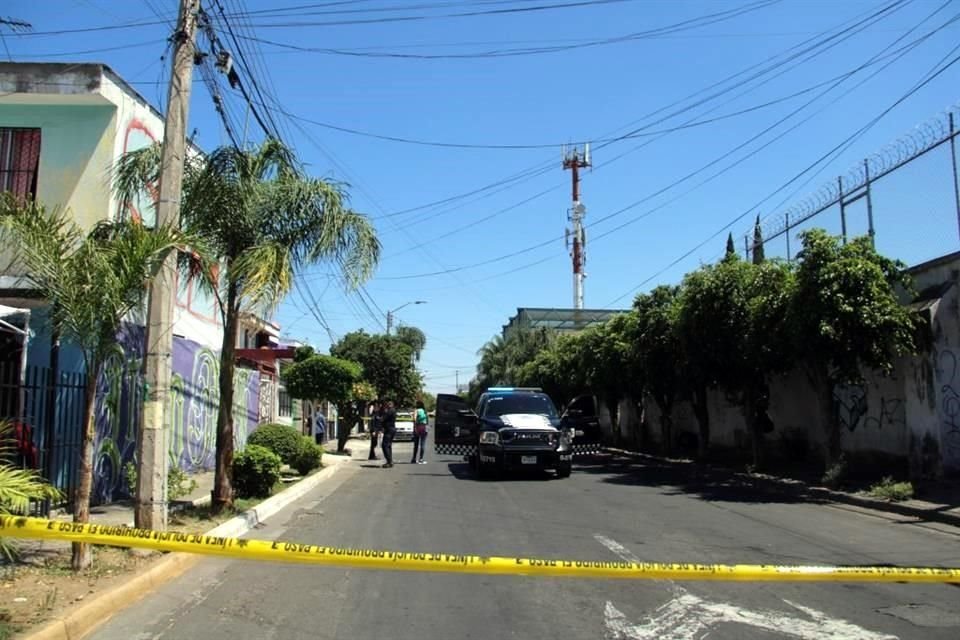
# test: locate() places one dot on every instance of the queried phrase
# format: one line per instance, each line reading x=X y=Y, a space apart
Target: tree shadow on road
x=689 y=478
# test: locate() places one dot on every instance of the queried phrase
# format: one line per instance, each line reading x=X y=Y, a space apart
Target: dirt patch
x=41 y=584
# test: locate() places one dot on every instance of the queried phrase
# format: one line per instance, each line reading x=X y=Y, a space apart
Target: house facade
x=62 y=128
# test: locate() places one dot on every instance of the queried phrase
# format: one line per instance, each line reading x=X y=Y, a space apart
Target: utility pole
x=389 y=321
x=576 y=158
x=152 y=447
x=458 y=380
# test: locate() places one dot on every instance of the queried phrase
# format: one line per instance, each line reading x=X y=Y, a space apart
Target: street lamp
x=391 y=312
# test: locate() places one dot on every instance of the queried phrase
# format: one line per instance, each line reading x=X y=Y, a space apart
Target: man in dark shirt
x=389 y=424
x=376 y=426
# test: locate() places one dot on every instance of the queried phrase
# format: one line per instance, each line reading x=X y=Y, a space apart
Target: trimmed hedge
x=279 y=438
x=256 y=470
x=309 y=456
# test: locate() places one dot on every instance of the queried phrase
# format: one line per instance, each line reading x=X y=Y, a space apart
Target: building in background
x=560 y=320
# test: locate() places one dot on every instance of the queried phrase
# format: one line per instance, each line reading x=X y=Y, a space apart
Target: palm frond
x=18 y=487
x=266 y=272
x=134 y=170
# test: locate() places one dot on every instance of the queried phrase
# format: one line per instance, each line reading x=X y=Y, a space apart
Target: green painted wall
x=76 y=150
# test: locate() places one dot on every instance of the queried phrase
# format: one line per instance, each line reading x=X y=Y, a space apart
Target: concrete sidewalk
x=940 y=503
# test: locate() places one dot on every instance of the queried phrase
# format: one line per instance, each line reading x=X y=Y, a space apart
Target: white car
x=404 y=425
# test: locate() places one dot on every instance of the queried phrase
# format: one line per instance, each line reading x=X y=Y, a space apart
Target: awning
x=8 y=315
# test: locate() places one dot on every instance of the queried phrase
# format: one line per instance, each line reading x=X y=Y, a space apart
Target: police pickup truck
x=512 y=428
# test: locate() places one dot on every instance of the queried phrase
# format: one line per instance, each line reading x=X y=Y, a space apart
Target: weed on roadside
x=836 y=474
x=889 y=489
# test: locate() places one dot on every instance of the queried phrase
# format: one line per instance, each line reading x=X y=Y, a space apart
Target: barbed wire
x=920 y=140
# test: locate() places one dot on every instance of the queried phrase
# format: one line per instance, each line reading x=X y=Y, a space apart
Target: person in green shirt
x=420 y=422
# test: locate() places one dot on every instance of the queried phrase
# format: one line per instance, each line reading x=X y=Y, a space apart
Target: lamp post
x=392 y=311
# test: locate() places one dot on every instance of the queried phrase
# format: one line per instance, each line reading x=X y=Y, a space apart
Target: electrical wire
x=440 y=16
x=930 y=76
x=809 y=46
x=679 y=27
x=703 y=168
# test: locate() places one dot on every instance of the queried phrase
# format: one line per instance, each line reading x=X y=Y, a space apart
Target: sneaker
x=422 y=462
x=388 y=466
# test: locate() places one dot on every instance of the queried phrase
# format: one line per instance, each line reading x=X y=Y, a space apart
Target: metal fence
x=906 y=197
x=51 y=412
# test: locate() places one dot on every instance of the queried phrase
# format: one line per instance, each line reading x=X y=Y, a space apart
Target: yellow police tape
x=123 y=536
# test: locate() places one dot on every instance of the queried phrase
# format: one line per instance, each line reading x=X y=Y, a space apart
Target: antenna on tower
x=576 y=157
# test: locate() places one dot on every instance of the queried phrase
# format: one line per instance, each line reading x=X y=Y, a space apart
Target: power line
x=931 y=75
x=696 y=172
x=658 y=32
x=440 y=16
x=849 y=28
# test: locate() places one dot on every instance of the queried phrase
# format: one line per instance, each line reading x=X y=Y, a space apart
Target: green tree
x=734 y=334
x=387 y=364
x=758 y=254
x=846 y=318
x=321 y=377
x=502 y=359
x=657 y=339
x=554 y=369
x=264 y=220
x=731 y=248
x=93 y=282
x=413 y=338
x=603 y=359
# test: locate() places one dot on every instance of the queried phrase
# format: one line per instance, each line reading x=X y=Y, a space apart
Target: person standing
x=319 y=426
x=420 y=422
x=376 y=426
x=389 y=425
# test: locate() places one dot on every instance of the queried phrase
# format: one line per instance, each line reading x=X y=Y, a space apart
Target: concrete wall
x=912 y=415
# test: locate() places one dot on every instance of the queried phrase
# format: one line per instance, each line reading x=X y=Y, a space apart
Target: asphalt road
x=612 y=508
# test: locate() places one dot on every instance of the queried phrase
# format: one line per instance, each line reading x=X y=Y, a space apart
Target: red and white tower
x=576 y=158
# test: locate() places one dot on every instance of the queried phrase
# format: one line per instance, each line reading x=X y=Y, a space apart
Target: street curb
x=796 y=487
x=80 y=622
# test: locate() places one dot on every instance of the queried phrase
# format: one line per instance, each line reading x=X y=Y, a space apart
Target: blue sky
x=358 y=74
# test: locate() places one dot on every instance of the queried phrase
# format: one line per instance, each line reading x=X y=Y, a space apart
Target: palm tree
x=93 y=282
x=263 y=220
x=413 y=338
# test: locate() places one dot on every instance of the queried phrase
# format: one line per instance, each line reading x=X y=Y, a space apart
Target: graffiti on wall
x=949 y=407
x=143 y=207
x=194 y=398
x=854 y=410
x=119 y=397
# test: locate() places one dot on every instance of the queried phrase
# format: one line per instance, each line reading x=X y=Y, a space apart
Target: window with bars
x=285 y=408
x=19 y=161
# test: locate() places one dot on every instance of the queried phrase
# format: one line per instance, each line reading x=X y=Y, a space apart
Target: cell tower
x=576 y=157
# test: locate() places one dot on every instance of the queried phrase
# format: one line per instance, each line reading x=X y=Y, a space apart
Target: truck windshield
x=520 y=403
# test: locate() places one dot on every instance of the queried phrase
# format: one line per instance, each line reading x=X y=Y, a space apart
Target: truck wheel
x=564 y=469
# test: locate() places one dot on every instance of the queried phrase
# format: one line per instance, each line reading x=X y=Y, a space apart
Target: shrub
x=309 y=456
x=836 y=475
x=279 y=438
x=179 y=483
x=890 y=490
x=256 y=470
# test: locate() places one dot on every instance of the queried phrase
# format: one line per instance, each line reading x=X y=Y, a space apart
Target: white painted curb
x=236 y=527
